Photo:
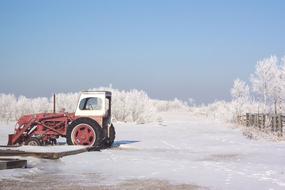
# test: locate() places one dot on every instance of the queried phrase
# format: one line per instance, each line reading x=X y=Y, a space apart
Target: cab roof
x=106 y=93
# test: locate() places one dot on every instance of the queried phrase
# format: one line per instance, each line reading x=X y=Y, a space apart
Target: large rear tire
x=84 y=131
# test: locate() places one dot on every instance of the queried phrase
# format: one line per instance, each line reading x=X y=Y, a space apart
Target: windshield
x=92 y=103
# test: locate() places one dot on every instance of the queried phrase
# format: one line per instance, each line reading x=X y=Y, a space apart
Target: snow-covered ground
x=181 y=150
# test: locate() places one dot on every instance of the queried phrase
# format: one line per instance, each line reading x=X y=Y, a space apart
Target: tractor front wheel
x=33 y=141
x=84 y=131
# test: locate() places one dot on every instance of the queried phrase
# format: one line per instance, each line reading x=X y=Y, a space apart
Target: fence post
x=279 y=123
x=273 y=123
x=255 y=123
x=263 y=121
x=282 y=117
x=259 y=121
x=252 y=119
x=247 y=119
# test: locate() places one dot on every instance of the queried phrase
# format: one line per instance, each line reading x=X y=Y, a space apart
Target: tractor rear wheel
x=33 y=141
x=84 y=131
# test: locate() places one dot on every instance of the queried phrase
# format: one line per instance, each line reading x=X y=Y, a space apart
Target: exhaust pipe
x=53 y=103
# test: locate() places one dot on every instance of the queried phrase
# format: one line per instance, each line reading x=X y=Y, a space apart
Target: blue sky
x=169 y=49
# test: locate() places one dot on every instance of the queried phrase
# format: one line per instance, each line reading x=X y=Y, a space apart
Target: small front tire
x=33 y=141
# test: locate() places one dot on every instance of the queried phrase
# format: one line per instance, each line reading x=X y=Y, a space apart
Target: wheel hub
x=83 y=134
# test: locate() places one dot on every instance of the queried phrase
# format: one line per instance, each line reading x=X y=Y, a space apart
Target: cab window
x=92 y=103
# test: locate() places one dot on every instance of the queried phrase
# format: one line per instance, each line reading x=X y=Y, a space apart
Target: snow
x=181 y=149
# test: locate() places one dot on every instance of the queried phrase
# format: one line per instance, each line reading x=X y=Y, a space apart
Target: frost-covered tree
x=132 y=106
x=277 y=90
x=172 y=105
x=281 y=90
x=264 y=79
x=240 y=95
x=65 y=101
x=240 y=90
x=7 y=106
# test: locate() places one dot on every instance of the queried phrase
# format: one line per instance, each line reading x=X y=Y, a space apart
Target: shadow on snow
x=122 y=142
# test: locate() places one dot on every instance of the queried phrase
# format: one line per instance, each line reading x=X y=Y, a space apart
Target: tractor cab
x=94 y=103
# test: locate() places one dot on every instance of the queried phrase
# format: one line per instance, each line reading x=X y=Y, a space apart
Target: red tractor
x=90 y=125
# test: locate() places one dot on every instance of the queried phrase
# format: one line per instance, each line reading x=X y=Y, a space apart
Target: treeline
x=127 y=106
